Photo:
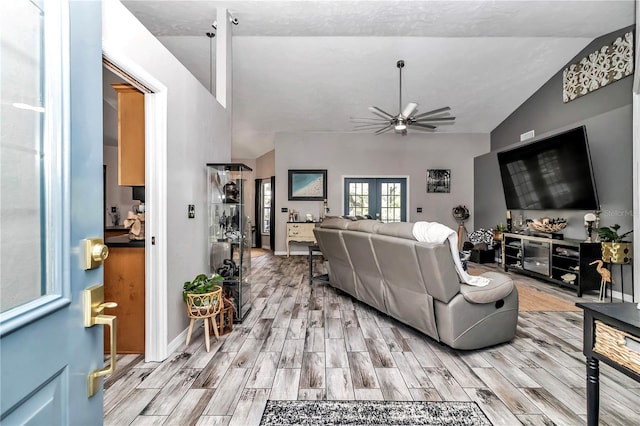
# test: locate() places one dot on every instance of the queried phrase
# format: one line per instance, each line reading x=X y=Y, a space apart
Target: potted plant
x=201 y=284
x=498 y=230
x=614 y=248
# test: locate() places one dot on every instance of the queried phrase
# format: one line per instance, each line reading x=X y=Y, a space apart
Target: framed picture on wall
x=439 y=180
x=307 y=185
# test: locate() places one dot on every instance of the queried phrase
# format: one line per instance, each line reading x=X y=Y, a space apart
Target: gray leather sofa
x=416 y=283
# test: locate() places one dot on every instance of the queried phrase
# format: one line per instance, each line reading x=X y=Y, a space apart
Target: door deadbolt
x=95 y=252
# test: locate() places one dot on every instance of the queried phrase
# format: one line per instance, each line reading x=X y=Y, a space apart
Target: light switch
x=192 y=211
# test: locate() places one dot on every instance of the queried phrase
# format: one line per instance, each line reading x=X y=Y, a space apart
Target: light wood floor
x=302 y=342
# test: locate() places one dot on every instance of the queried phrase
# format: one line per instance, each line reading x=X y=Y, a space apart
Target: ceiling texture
x=308 y=66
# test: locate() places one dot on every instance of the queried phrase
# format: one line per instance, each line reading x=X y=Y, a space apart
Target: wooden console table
x=611 y=335
x=300 y=232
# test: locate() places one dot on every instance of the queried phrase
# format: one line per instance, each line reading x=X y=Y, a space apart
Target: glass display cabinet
x=230 y=233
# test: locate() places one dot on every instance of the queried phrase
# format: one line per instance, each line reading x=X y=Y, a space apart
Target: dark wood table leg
x=593 y=391
x=310 y=265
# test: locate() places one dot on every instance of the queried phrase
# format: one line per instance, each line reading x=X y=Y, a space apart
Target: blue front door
x=50 y=201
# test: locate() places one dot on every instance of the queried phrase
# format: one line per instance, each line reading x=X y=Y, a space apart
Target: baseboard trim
x=180 y=340
x=293 y=253
x=618 y=295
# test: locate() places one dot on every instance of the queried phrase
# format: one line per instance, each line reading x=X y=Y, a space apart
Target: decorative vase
x=617 y=252
x=231 y=192
x=497 y=235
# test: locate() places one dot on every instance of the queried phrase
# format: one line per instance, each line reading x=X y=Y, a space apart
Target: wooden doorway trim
x=156 y=339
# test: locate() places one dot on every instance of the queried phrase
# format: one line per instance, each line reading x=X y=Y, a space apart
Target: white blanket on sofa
x=433 y=232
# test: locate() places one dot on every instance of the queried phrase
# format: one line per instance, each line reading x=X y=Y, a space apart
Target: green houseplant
x=498 y=230
x=201 y=284
x=614 y=248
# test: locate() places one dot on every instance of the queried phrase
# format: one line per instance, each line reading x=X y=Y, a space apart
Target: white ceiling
x=308 y=66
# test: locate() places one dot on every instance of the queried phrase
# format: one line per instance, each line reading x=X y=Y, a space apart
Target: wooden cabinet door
x=130 y=135
x=124 y=284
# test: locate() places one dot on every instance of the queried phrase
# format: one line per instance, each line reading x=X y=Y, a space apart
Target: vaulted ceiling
x=308 y=66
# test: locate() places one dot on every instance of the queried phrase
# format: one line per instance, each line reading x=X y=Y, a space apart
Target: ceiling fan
x=405 y=118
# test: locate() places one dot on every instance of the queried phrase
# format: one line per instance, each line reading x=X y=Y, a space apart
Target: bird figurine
x=605 y=278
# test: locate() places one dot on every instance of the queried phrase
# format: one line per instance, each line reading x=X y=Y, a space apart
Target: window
x=380 y=198
x=34 y=135
x=266 y=206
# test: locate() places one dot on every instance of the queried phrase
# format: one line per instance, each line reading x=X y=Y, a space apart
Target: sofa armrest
x=499 y=287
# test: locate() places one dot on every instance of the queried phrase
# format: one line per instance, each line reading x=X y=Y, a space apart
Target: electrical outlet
x=192 y=211
x=114 y=209
x=419 y=209
x=284 y=210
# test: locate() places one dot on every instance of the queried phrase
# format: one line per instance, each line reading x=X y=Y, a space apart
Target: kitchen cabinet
x=124 y=283
x=130 y=135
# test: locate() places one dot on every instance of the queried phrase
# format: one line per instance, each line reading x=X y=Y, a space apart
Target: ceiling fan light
x=400 y=127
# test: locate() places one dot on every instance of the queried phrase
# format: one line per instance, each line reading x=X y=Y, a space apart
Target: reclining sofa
x=384 y=266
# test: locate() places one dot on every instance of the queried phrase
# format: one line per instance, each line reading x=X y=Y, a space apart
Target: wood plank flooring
x=303 y=342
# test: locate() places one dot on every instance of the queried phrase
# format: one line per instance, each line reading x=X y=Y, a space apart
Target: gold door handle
x=94 y=304
x=93 y=383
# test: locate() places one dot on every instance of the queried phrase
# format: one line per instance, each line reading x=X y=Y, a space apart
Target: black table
x=321 y=278
x=623 y=317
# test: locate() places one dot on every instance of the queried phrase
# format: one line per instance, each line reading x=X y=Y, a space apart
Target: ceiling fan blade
x=384 y=129
x=409 y=109
x=377 y=111
x=422 y=120
x=425 y=126
x=368 y=126
x=368 y=120
x=435 y=111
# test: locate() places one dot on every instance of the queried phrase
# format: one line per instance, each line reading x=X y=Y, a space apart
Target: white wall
x=359 y=154
x=636 y=158
x=197 y=133
x=118 y=196
x=249 y=187
x=266 y=165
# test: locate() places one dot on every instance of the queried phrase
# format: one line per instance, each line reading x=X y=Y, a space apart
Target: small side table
x=621 y=325
x=320 y=278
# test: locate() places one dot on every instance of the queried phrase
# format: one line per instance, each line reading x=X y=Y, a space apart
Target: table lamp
x=589 y=218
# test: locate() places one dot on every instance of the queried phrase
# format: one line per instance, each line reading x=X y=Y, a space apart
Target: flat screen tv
x=552 y=173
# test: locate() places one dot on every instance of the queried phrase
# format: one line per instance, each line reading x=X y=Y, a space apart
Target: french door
x=381 y=198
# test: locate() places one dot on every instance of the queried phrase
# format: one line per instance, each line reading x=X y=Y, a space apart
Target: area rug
x=257 y=252
x=534 y=300
x=373 y=413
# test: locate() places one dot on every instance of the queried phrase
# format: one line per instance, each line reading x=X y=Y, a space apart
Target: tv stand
x=552 y=260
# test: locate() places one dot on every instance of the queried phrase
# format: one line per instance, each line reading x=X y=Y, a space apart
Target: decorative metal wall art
x=438 y=180
x=606 y=65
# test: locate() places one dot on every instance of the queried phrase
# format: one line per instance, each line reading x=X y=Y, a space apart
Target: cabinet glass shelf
x=230 y=233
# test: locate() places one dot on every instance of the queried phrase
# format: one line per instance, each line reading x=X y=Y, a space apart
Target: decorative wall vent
x=608 y=64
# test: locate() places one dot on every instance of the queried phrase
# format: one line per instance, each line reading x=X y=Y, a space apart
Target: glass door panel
x=24 y=153
x=379 y=198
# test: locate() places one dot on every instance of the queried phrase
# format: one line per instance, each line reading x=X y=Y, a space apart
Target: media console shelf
x=552 y=259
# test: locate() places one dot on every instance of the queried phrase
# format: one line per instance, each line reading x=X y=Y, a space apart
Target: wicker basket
x=612 y=343
x=556 y=227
